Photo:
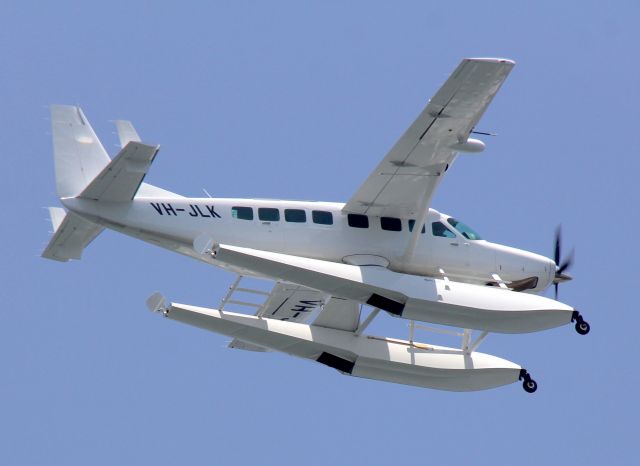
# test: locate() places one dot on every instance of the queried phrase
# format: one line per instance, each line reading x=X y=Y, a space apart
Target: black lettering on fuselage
x=168 y=208
x=200 y=212
x=213 y=212
x=194 y=210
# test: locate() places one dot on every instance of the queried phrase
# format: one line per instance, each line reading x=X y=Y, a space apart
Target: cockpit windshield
x=464 y=230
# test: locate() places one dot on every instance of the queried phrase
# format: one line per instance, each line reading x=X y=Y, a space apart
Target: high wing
x=296 y=303
x=404 y=181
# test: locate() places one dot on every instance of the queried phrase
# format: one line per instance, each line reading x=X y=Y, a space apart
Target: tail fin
x=79 y=155
x=84 y=170
x=80 y=158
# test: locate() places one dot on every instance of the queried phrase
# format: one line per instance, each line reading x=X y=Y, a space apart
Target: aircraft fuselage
x=319 y=230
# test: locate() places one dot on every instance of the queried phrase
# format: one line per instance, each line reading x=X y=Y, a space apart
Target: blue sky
x=301 y=100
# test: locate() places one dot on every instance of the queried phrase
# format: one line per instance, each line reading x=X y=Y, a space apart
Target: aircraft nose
x=517 y=264
x=544 y=268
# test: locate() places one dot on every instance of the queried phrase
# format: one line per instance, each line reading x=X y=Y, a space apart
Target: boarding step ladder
x=236 y=292
x=466 y=345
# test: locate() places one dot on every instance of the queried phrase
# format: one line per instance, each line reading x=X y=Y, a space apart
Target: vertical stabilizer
x=79 y=155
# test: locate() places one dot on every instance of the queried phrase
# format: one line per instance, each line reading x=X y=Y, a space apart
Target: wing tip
x=493 y=60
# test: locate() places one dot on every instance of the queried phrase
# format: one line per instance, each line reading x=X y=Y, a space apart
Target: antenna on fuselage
x=483 y=133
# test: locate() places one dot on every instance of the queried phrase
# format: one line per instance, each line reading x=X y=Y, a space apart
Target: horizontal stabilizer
x=126 y=132
x=72 y=234
x=57 y=215
x=120 y=180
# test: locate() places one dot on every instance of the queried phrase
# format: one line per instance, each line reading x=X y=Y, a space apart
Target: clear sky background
x=301 y=100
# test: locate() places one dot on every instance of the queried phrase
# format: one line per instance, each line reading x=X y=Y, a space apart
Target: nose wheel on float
x=582 y=327
x=528 y=383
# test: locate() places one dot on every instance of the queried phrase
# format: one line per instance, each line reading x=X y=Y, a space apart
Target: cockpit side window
x=438 y=229
x=465 y=230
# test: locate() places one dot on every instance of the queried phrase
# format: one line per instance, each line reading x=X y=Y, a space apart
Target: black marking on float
x=386 y=304
x=336 y=362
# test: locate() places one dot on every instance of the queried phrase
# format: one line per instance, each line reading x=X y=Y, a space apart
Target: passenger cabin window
x=358 y=221
x=412 y=223
x=295 y=215
x=268 y=214
x=390 y=223
x=439 y=229
x=464 y=230
x=322 y=217
x=243 y=213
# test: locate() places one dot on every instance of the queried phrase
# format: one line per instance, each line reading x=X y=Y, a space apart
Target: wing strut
x=365 y=323
x=417 y=227
x=476 y=343
x=468 y=346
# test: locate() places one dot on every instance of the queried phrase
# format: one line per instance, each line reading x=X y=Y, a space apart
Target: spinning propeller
x=561 y=267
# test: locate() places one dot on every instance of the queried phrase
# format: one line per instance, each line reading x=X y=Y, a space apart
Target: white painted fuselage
x=174 y=223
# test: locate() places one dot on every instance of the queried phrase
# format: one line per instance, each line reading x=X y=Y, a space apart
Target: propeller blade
x=563 y=266
x=567 y=263
x=556 y=255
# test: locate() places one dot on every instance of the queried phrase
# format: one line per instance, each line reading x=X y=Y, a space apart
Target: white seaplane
x=385 y=248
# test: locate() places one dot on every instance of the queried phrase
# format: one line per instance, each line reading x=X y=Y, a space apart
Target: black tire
x=530 y=386
x=582 y=327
